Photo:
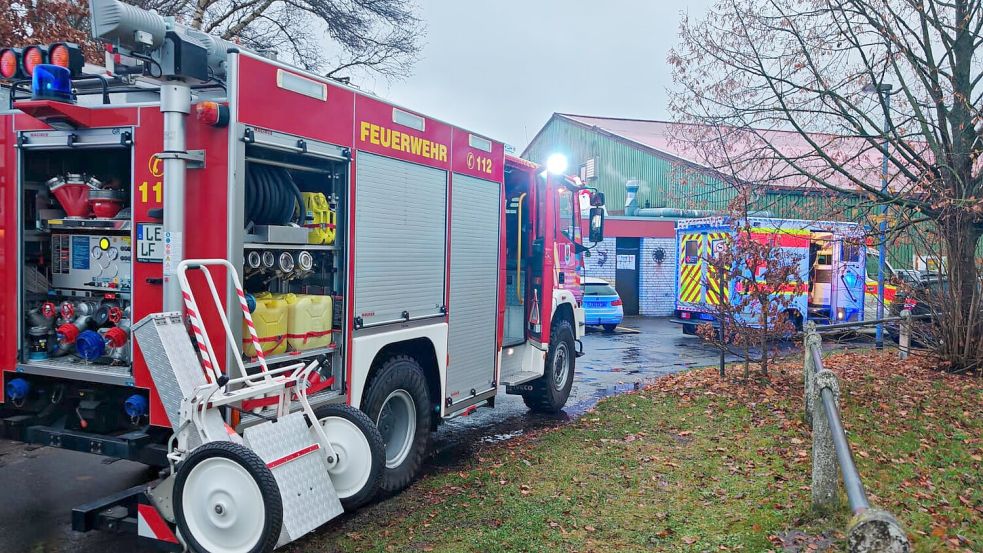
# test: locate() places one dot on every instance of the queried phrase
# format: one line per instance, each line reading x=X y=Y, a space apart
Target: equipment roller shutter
x=400 y=240
x=473 y=320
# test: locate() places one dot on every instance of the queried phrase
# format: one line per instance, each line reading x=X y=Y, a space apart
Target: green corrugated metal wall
x=668 y=184
x=662 y=184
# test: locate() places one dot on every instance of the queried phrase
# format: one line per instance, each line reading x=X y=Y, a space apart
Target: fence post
x=812 y=339
x=876 y=531
x=904 y=338
x=825 y=477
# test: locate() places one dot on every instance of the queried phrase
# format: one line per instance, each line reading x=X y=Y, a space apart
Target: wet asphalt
x=41 y=485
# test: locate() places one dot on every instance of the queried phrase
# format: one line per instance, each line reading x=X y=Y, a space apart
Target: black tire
x=550 y=392
x=689 y=329
x=401 y=372
x=256 y=468
x=369 y=430
x=795 y=318
x=610 y=328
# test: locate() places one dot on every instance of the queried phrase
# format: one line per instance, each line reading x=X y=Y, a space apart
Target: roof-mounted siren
x=168 y=49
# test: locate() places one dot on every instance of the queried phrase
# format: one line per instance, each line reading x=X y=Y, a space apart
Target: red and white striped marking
x=293 y=456
x=192 y=308
x=152 y=526
x=257 y=345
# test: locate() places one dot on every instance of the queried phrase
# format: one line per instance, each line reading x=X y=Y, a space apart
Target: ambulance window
x=852 y=252
x=692 y=252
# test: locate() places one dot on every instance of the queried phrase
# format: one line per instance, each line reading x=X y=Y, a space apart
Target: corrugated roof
x=745 y=150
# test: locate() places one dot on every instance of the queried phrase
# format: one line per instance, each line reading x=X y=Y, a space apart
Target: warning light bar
x=20 y=63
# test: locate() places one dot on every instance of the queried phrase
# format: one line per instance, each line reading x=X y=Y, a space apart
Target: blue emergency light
x=52 y=82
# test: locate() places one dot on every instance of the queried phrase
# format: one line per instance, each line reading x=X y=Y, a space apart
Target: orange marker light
x=212 y=113
x=33 y=57
x=8 y=64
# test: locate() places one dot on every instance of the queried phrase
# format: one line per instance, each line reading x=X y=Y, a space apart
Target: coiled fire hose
x=272 y=196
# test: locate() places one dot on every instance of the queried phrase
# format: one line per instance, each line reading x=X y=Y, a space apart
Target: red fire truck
x=422 y=267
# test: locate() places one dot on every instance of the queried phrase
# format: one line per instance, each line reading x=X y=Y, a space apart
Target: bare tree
x=751 y=282
x=46 y=21
x=820 y=70
x=333 y=36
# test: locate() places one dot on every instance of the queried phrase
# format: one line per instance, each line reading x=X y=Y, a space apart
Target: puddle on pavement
x=495 y=438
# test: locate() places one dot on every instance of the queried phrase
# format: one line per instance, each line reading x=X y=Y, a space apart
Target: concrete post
x=825 y=476
x=876 y=531
x=812 y=338
x=904 y=339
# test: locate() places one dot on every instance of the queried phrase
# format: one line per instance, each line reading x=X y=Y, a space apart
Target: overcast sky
x=502 y=67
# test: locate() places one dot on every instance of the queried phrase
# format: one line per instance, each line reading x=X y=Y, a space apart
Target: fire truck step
x=519 y=378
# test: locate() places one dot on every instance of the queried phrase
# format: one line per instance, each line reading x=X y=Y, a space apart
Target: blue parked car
x=602 y=304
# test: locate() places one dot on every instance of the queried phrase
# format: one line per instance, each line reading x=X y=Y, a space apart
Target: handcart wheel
x=357 y=472
x=226 y=501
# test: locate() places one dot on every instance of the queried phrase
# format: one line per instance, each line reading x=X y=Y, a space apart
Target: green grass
x=698 y=465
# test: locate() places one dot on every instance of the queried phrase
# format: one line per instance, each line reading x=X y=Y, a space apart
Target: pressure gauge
x=305 y=261
x=286 y=262
x=96 y=252
x=253 y=260
x=113 y=253
x=268 y=259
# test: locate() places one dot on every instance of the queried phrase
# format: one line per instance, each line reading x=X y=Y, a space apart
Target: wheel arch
x=563 y=309
x=426 y=344
x=423 y=350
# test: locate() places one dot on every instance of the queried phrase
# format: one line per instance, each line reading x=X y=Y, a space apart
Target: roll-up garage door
x=471 y=344
x=400 y=240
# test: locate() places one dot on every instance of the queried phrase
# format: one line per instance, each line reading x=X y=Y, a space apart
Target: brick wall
x=657 y=297
x=601 y=263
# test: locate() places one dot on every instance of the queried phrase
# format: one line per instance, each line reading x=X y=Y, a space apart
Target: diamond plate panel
x=309 y=499
x=172 y=360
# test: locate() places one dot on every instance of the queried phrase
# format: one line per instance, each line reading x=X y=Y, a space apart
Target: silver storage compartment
x=400 y=240
x=473 y=309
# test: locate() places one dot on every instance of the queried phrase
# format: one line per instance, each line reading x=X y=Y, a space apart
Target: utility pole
x=883 y=91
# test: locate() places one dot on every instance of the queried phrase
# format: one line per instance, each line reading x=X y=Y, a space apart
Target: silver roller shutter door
x=400 y=239
x=475 y=220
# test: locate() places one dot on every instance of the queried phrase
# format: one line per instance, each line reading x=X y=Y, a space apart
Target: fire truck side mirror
x=596 y=224
x=597 y=199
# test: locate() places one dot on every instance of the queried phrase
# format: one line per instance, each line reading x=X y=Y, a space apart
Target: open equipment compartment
x=75 y=280
x=76 y=245
x=293 y=254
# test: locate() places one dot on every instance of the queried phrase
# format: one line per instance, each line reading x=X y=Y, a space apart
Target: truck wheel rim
x=223 y=506
x=354 y=464
x=397 y=424
x=561 y=367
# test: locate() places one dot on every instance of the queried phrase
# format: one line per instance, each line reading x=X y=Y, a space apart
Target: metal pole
x=882 y=247
x=851 y=478
x=904 y=338
x=175 y=104
x=720 y=298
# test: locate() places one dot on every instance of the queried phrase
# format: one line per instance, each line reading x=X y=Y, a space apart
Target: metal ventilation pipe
x=631 y=199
